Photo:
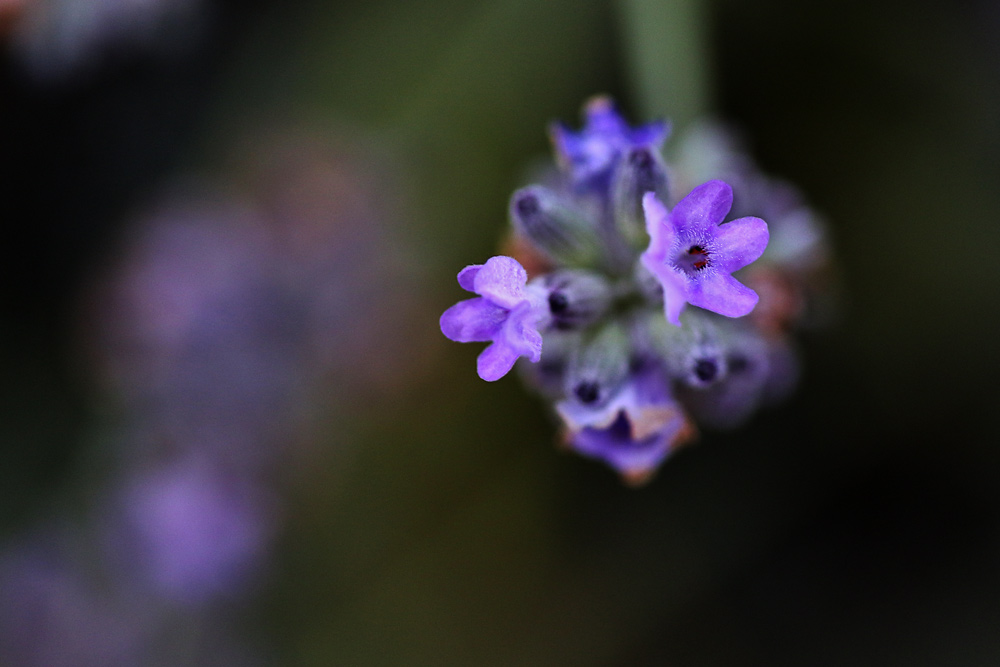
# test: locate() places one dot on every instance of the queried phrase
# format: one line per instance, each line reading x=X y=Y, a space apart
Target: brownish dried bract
x=533 y=261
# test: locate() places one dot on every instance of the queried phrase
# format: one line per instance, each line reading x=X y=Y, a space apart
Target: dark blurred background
x=322 y=171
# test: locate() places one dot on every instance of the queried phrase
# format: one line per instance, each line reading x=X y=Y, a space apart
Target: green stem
x=667 y=50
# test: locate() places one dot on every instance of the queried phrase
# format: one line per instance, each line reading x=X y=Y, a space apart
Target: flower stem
x=667 y=50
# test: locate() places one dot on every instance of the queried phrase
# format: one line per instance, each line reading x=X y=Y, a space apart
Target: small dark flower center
x=587 y=392
x=693 y=260
x=528 y=205
x=558 y=303
x=706 y=370
x=700 y=257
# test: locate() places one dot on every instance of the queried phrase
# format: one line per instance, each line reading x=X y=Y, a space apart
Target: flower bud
x=732 y=400
x=548 y=376
x=576 y=298
x=640 y=170
x=554 y=227
x=694 y=354
x=599 y=365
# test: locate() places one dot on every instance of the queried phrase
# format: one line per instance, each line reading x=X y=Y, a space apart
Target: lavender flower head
x=616 y=253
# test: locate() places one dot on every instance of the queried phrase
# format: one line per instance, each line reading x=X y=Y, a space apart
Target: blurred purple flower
x=692 y=254
x=634 y=431
x=760 y=370
x=216 y=333
x=191 y=532
x=200 y=341
x=54 y=614
x=593 y=151
x=506 y=312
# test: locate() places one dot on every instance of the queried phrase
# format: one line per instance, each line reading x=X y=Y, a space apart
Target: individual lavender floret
x=633 y=431
x=729 y=403
x=693 y=354
x=692 y=254
x=507 y=312
x=593 y=151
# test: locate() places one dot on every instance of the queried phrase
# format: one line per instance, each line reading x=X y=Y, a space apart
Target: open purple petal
x=521 y=334
x=502 y=280
x=661 y=232
x=740 y=242
x=723 y=294
x=496 y=361
x=675 y=295
x=472 y=320
x=617 y=446
x=651 y=134
x=674 y=284
x=467 y=277
x=704 y=208
x=592 y=151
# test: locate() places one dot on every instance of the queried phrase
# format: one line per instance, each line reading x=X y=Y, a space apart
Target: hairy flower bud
x=729 y=402
x=694 y=354
x=576 y=298
x=554 y=227
x=599 y=365
x=641 y=170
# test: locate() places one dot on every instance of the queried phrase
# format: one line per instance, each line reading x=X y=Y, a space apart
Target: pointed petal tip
x=471 y=321
x=467 y=277
x=654 y=210
x=741 y=242
x=726 y=296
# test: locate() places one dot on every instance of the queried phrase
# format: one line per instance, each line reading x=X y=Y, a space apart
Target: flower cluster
x=607 y=258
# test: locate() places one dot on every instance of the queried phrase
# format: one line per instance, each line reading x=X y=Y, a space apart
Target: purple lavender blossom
x=693 y=255
x=712 y=151
x=607 y=255
x=594 y=150
x=53 y=613
x=728 y=404
x=507 y=312
x=634 y=431
x=195 y=534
